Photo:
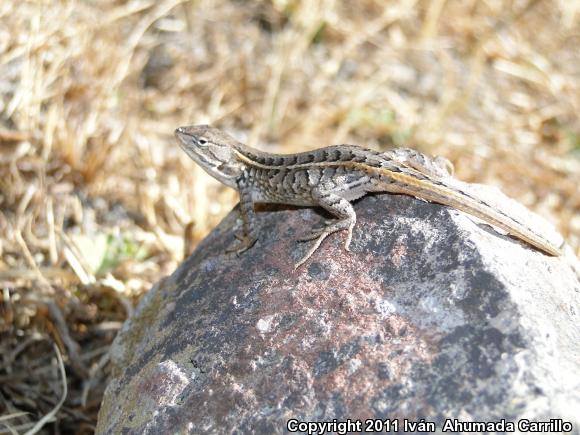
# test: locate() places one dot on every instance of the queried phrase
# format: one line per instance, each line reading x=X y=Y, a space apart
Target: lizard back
x=353 y=171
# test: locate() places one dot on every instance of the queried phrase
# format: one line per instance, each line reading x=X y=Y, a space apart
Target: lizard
x=333 y=177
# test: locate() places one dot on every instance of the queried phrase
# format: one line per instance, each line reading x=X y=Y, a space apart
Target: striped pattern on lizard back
x=334 y=176
x=348 y=169
x=349 y=172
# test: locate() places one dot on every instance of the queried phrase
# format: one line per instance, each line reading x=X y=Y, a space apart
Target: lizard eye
x=202 y=141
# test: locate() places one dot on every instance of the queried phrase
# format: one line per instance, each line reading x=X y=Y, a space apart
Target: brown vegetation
x=96 y=199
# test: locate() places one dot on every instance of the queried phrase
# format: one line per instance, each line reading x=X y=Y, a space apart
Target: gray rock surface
x=431 y=315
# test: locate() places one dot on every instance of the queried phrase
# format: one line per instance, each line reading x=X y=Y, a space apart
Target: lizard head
x=213 y=150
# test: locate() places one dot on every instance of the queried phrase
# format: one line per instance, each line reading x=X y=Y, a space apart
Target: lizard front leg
x=338 y=207
x=248 y=235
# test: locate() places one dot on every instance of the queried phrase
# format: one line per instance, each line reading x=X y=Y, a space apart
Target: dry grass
x=96 y=198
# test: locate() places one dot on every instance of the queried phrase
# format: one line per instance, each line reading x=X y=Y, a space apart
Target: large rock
x=430 y=316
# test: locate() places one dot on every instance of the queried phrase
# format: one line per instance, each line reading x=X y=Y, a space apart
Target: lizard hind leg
x=338 y=207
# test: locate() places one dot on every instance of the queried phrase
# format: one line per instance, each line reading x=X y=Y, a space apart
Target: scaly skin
x=331 y=178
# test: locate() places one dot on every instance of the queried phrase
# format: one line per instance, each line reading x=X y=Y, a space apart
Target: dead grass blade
x=51 y=415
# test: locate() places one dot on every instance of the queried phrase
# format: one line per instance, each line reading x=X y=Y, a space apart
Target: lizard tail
x=437 y=191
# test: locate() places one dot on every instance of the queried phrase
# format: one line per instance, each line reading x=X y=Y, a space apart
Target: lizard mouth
x=184 y=138
x=199 y=154
x=180 y=132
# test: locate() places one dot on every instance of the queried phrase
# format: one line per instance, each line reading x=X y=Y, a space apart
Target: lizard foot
x=327 y=229
x=246 y=242
x=312 y=250
x=321 y=234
